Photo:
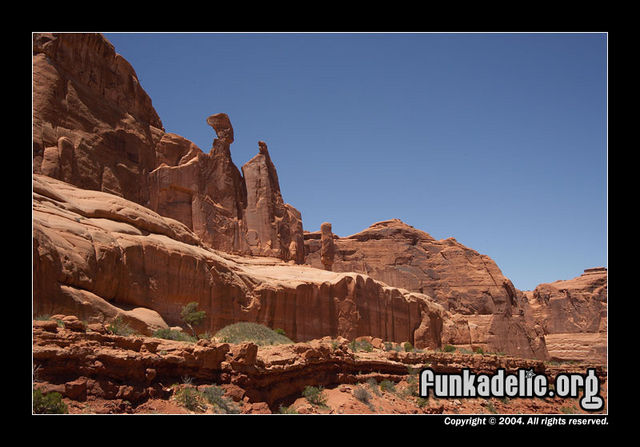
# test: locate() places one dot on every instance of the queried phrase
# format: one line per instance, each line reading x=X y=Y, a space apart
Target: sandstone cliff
x=95 y=127
x=487 y=308
x=573 y=314
x=98 y=256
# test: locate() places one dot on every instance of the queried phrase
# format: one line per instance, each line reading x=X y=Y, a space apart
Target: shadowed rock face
x=95 y=127
x=489 y=311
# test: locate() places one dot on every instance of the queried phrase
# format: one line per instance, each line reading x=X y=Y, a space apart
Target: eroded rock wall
x=573 y=315
x=97 y=255
x=488 y=311
x=95 y=127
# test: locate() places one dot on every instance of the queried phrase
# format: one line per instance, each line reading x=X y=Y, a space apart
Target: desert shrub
x=215 y=396
x=44 y=317
x=373 y=384
x=413 y=386
x=491 y=407
x=190 y=398
x=449 y=348
x=287 y=410
x=315 y=396
x=388 y=346
x=422 y=401
x=119 y=327
x=388 y=385
x=408 y=347
x=191 y=316
x=205 y=336
x=251 y=332
x=361 y=345
x=569 y=409
x=361 y=394
x=49 y=403
x=479 y=350
x=170 y=334
x=280 y=331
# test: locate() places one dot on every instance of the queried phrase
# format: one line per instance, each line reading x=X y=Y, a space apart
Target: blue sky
x=498 y=140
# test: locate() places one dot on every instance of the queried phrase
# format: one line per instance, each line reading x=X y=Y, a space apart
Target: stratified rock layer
x=81 y=363
x=573 y=314
x=489 y=312
x=98 y=256
x=95 y=127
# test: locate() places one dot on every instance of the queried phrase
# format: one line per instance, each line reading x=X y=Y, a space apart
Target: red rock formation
x=95 y=127
x=273 y=228
x=97 y=256
x=573 y=314
x=488 y=311
x=92 y=363
x=327 y=248
x=93 y=124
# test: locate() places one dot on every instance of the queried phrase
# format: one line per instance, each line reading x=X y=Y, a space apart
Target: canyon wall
x=490 y=310
x=141 y=221
x=95 y=127
x=573 y=314
x=99 y=256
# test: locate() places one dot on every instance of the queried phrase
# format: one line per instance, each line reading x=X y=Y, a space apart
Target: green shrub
x=190 y=398
x=408 y=347
x=251 y=332
x=449 y=348
x=280 y=331
x=422 y=401
x=388 y=385
x=479 y=350
x=373 y=384
x=361 y=345
x=215 y=396
x=119 y=327
x=205 y=336
x=170 y=334
x=286 y=410
x=44 y=317
x=361 y=394
x=50 y=403
x=315 y=396
x=191 y=316
x=413 y=386
x=388 y=346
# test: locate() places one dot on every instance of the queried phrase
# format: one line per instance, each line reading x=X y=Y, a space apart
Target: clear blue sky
x=498 y=140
